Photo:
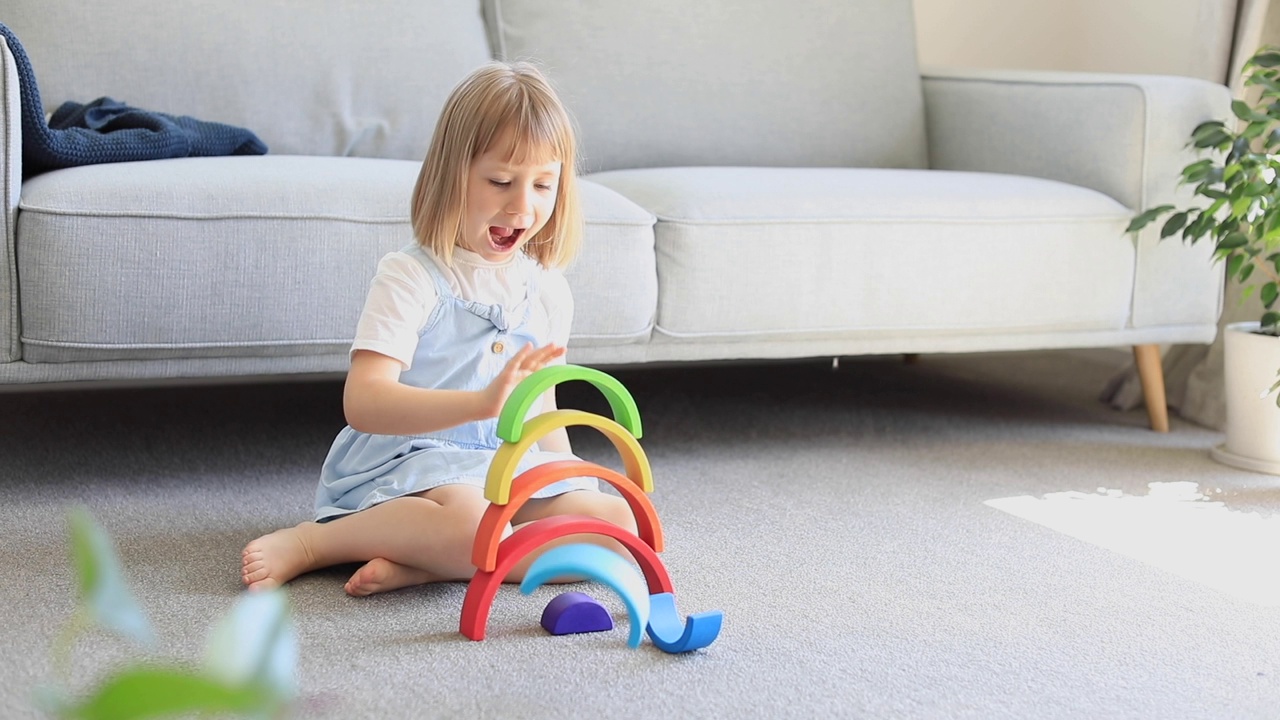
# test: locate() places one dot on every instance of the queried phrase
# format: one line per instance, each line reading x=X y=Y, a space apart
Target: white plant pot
x=1250 y=363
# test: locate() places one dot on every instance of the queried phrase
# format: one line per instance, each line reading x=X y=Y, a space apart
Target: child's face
x=507 y=203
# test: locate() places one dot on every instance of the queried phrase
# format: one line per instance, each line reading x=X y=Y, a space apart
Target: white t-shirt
x=402 y=296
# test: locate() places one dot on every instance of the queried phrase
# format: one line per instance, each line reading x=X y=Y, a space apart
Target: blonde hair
x=511 y=101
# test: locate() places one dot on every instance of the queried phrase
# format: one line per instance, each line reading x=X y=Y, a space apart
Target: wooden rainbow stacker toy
x=650 y=602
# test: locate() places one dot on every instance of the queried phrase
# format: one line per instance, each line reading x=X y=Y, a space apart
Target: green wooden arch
x=511 y=421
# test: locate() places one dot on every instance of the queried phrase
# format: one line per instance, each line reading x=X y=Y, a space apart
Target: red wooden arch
x=484 y=584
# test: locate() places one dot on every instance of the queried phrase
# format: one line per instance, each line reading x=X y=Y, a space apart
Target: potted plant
x=249 y=668
x=1237 y=207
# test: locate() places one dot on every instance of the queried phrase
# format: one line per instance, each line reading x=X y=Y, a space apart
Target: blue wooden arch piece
x=671 y=634
x=595 y=563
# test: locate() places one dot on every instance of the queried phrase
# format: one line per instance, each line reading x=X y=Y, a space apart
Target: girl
x=451 y=325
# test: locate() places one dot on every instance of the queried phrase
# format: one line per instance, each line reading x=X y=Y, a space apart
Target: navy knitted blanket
x=106 y=131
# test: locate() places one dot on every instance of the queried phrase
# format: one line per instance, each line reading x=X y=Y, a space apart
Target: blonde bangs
x=523 y=123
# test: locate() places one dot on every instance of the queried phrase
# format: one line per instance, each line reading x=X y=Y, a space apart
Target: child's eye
x=500 y=183
x=543 y=187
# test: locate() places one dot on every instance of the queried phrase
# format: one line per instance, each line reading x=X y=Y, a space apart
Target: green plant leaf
x=1240 y=207
x=1268 y=294
x=1233 y=265
x=1246 y=271
x=1239 y=149
x=1214 y=208
x=1208 y=125
x=1212 y=139
x=1265 y=59
x=1269 y=321
x=1196 y=171
x=148 y=692
x=1145 y=218
x=1265 y=80
x=102 y=590
x=1255 y=129
x=1233 y=241
x=1197 y=229
x=1257 y=188
x=1272 y=220
x=1244 y=111
x=1173 y=224
x=256 y=643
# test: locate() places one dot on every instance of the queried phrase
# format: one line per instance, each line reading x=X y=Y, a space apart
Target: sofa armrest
x=11 y=184
x=1122 y=135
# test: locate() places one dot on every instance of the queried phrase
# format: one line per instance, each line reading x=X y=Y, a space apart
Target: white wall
x=1170 y=37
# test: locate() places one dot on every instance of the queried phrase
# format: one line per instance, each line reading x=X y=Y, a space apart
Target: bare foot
x=276 y=558
x=380 y=575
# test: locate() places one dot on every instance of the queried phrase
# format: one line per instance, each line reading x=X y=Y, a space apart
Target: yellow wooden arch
x=502 y=471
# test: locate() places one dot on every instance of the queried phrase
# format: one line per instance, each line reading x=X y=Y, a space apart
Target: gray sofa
x=762 y=180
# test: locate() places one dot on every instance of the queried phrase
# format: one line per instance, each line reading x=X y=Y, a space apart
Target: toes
x=267 y=584
x=359 y=588
x=367 y=580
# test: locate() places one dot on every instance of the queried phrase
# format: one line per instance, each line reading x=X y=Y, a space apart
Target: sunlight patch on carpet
x=1173 y=527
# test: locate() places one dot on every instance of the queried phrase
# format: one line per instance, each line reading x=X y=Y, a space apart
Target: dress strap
x=443 y=290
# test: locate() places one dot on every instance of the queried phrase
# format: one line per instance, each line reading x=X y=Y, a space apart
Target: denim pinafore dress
x=463 y=346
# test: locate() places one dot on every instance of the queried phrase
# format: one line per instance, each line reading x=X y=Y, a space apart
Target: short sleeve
x=401 y=298
x=557 y=298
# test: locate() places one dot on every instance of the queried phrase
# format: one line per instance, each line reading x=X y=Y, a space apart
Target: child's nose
x=520 y=202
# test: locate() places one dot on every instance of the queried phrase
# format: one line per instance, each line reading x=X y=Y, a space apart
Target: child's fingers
x=531 y=359
x=518 y=361
x=548 y=353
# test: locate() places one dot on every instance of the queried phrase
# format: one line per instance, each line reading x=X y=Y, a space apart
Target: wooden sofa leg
x=1151 y=373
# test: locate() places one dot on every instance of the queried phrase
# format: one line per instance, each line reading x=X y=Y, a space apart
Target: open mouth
x=504 y=238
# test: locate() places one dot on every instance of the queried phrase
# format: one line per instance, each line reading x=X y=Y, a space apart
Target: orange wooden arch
x=484 y=584
x=484 y=554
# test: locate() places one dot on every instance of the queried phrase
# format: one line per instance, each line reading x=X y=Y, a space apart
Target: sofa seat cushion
x=614 y=278
x=246 y=256
x=747 y=254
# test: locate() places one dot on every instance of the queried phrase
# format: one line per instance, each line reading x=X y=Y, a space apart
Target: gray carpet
x=840 y=521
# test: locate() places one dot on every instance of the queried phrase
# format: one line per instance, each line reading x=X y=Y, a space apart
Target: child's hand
x=526 y=362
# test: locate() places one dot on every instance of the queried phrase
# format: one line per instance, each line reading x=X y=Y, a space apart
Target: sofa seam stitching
x=55 y=212
x=13 y=343
x=905 y=219
x=80 y=345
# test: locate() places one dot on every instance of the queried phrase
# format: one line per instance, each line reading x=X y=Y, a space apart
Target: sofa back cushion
x=727 y=82
x=364 y=79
